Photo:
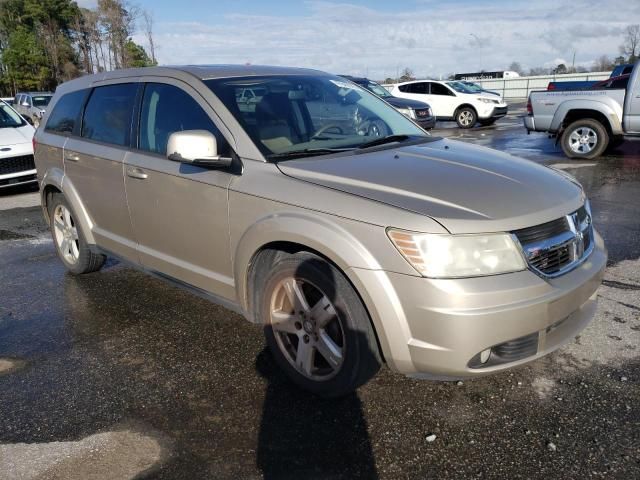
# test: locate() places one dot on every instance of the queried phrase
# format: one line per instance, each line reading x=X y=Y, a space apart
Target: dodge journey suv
x=350 y=245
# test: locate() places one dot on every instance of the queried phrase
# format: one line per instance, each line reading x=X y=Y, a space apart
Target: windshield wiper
x=307 y=152
x=383 y=140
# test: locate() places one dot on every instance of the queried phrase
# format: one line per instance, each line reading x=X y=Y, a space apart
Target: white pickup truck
x=586 y=122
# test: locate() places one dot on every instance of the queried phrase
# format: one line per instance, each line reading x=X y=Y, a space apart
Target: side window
x=27 y=98
x=167 y=109
x=422 y=88
x=66 y=113
x=18 y=100
x=439 y=89
x=107 y=117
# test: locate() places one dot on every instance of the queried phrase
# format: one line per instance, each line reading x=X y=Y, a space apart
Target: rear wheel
x=584 y=139
x=68 y=239
x=466 y=117
x=316 y=326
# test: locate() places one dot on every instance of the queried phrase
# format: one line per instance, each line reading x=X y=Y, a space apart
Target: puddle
x=9 y=235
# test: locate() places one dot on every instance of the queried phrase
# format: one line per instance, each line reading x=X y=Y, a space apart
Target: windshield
x=472 y=86
x=9 y=118
x=462 y=88
x=41 y=101
x=299 y=113
x=378 y=89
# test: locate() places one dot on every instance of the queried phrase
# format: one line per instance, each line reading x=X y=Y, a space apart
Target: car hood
x=405 y=103
x=16 y=136
x=466 y=188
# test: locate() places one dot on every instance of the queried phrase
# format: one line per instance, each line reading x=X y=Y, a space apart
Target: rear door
x=445 y=100
x=179 y=212
x=94 y=164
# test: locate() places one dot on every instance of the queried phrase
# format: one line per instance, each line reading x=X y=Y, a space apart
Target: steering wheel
x=326 y=128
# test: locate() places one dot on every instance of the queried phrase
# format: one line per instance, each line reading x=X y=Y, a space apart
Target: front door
x=179 y=211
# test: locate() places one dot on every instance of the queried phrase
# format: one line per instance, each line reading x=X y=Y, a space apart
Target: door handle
x=136 y=173
x=72 y=158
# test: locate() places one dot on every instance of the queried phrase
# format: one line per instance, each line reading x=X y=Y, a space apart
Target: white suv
x=454 y=101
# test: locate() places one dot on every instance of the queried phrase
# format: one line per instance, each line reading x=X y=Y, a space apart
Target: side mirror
x=196 y=147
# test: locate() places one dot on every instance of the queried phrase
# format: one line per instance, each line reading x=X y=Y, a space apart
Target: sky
x=379 y=39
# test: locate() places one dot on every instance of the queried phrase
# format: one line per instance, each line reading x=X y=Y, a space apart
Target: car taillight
x=34 y=143
x=529 y=107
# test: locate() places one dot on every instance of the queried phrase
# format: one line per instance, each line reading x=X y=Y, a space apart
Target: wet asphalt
x=119 y=375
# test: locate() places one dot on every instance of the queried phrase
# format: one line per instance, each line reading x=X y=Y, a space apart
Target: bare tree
x=631 y=45
x=516 y=67
x=602 y=64
x=147 y=19
x=407 y=75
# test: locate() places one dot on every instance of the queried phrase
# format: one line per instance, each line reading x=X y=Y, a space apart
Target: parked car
x=348 y=247
x=16 y=149
x=613 y=82
x=571 y=85
x=586 y=122
x=419 y=112
x=454 y=101
x=478 y=88
x=620 y=70
x=32 y=105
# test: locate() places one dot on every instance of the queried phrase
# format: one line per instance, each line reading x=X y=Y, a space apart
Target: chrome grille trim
x=552 y=250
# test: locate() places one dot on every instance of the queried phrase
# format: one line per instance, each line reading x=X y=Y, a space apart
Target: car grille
x=423 y=112
x=16 y=164
x=555 y=247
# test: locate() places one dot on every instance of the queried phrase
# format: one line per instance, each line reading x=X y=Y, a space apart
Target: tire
x=329 y=321
x=584 y=139
x=466 y=117
x=487 y=121
x=69 y=241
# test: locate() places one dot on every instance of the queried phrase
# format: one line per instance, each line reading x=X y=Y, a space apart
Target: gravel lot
x=119 y=375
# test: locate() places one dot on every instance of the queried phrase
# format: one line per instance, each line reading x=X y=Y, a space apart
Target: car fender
x=55 y=177
x=347 y=252
x=611 y=111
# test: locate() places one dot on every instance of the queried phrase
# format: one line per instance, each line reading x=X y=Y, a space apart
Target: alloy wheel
x=465 y=118
x=307 y=329
x=66 y=234
x=583 y=140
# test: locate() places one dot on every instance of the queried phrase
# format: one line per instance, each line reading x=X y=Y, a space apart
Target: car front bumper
x=437 y=329
x=426 y=123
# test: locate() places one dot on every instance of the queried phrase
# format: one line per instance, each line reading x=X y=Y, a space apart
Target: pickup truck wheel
x=68 y=239
x=466 y=117
x=316 y=326
x=584 y=139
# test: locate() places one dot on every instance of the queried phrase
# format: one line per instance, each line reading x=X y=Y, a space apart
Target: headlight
x=409 y=112
x=487 y=100
x=454 y=256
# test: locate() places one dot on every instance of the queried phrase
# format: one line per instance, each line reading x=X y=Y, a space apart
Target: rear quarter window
x=107 y=116
x=66 y=113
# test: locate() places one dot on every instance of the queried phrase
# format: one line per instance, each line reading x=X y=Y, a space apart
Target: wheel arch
x=55 y=181
x=570 y=111
x=292 y=232
x=466 y=105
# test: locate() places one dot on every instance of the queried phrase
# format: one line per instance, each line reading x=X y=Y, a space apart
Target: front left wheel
x=466 y=117
x=316 y=326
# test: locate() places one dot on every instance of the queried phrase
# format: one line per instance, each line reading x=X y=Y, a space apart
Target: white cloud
x=435 y=39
